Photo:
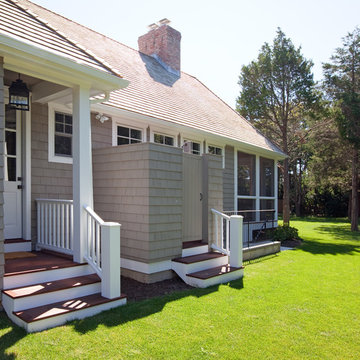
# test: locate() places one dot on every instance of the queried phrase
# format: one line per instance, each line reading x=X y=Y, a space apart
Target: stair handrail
x=221 y=233
x=103 y=252
x=230 y=241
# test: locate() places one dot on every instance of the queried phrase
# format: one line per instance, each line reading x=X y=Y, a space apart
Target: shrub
x=283 y=233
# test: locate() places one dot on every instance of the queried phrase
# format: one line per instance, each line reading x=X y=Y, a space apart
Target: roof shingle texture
x=155 y=92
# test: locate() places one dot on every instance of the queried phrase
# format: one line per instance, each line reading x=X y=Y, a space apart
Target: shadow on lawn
x=137 y=310
x=321 y=248
x=9 y=338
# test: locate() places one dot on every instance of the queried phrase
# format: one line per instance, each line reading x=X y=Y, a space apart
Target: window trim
x=52 y=157
x=128 y=124
x=200 y=142
x=155 y=131
x=222 y=147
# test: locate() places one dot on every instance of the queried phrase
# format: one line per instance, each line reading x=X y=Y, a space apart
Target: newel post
x=110 y=260
x=236 y=240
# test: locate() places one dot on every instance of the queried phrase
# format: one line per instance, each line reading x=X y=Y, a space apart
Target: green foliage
x=342 y=82
x=284 y=232
x=331 y=201
x=277 y=90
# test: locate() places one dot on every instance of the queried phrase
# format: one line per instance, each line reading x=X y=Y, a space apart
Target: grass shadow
x=137 y=310
x=9 y=338
x=333 y=248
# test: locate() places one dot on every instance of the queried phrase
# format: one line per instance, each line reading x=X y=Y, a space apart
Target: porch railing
x=103 y=252
x=55 y=225
x=227 y=236
x=255 y=223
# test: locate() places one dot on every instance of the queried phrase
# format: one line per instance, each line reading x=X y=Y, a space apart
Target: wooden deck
x=36 y=261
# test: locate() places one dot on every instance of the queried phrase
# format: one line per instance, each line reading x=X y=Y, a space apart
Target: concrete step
x=197 y=247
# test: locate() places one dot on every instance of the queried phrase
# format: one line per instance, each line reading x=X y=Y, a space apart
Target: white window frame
x=222 y=147
x=131 y=125
x=52 y=108
x=172 y=135
x=200 y=142
x=257 y=196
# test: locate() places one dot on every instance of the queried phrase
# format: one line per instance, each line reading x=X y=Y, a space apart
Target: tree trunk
x=286 y=197
x=354 y=192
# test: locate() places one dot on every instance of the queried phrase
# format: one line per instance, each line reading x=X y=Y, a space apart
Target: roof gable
x=21 y=24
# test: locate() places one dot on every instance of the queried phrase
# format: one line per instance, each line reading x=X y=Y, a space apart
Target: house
x=154 y=154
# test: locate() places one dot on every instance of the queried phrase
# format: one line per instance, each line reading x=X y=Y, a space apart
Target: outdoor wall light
x=101 y=117
x=19 y=95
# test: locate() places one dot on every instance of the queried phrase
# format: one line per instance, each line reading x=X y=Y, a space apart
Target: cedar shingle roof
x=21 y=24
x=155 y=92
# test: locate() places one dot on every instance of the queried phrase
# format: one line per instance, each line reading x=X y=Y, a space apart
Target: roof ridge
x=87 y=52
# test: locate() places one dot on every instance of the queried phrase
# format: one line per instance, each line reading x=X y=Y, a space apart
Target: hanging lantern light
x=19 y=95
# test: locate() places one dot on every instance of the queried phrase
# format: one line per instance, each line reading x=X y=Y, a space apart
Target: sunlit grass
x=301 y=304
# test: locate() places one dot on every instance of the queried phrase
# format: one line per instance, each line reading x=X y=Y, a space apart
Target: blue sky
x=218 y=37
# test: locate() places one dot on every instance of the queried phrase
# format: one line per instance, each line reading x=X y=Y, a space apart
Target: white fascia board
x=189 y=131
x=30 y=60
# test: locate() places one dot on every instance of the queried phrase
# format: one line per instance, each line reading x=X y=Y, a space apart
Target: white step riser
x=49 y=298
x=183 y=269
x=195 y=250
x=62 y=319
x=225 y=278
x=23 y=246
x=38 y=277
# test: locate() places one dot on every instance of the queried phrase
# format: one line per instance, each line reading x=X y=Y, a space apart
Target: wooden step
x=51 y=286
x=16 y=241
x=213 y=272
x=198 y=258
x=36 y=261
x=63 y=307
x=191 y=244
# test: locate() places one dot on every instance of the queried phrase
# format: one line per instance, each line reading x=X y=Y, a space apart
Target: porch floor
x=36 y=261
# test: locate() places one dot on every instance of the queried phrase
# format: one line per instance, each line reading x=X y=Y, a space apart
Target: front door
x=12 y=175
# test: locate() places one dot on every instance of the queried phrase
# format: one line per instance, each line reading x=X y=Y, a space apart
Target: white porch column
x=82 y=167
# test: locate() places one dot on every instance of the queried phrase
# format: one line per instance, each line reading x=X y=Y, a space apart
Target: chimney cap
x=153 y=26
x=164 y=21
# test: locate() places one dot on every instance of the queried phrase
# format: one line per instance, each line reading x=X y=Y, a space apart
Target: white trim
x=29 y=59
x=187 y=131
x=276 y=189
x=163 y=133
x=145 y=268
x=257 y=187
x=26 y=195
x=126 y=123
x=52 y=108
x=222 y=147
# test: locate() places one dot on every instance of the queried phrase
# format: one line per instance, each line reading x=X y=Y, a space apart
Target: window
x=246 y=174
x=266 y=177
x=126 y=135
x=63 y=134
x=60 y=135
x=164 y=139
x=192 y=147
x=215 y=150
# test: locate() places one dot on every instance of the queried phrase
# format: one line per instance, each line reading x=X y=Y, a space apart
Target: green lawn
x=301 y=304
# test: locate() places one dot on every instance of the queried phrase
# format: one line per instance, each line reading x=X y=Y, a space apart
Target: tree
x=342 y=81
x=277 y=94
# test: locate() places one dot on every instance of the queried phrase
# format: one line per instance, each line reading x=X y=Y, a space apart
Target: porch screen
x=246 y=174
x=266 y=177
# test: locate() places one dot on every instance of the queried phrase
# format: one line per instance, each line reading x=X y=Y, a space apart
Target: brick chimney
x=162 y=42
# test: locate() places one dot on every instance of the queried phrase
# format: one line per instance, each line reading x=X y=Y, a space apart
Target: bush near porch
x=301 y=304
